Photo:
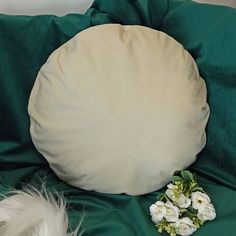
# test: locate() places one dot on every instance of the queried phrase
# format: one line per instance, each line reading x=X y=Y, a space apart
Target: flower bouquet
x=183 y=208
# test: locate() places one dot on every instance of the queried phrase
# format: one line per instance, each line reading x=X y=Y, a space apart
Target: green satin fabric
x=207 y=32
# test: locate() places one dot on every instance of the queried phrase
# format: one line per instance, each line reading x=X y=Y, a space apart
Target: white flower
x=170 y=194
x=185 y=226
x=171 y=186
x=157 y=211
x=206 y=212
x=181 y=201
x=199 y=199
x=172 y=212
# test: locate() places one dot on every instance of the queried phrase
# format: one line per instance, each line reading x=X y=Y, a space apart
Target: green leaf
x=175 y=179
x=197 y=188
x=192 y=210
x=195 y=177
x=187 y=175
x=160 y=197
x=186 y=190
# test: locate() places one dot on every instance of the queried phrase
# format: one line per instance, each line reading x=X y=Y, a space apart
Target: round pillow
x=118 y=109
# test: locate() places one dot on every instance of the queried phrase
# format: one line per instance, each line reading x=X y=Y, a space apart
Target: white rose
x=181 y=201
x=172 y=212
x=185 y=226
x=206 y=212
x=199 y=199
x=170 y=194
x=157 y=211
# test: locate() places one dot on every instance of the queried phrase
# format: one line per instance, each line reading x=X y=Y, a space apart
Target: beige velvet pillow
x=118 y=109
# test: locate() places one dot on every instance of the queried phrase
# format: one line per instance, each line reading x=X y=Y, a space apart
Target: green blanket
x=207 y=32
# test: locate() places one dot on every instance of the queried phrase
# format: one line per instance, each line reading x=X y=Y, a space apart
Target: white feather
x=34 y=213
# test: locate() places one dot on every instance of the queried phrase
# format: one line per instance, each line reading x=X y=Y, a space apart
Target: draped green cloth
x=208 y=32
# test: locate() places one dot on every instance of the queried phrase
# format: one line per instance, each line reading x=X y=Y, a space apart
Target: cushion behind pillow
x=118 y=109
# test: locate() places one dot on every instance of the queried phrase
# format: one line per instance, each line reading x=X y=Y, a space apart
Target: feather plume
x=34 y=213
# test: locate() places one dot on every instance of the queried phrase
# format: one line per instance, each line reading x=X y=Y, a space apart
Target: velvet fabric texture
x=144 y=105
x=207 y=32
